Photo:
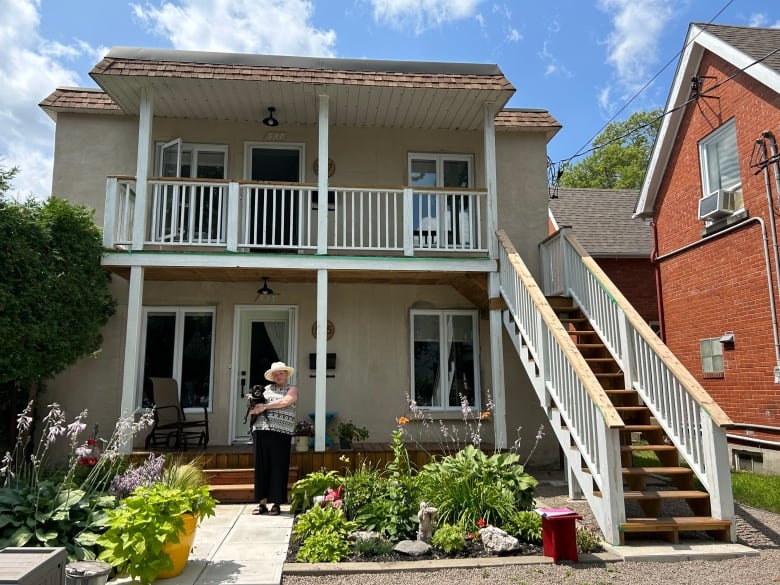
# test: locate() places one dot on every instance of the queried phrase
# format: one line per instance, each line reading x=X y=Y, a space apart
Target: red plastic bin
x=559 y=536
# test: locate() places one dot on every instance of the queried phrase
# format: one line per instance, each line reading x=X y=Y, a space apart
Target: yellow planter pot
x=180 y=551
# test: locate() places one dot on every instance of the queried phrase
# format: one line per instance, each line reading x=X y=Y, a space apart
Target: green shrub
x=323 y=518
x=327 y=546
x=470 y=485
x=526 y=526
x=449 y=538
x=315 y=484
x=392 y=510
x=588 y=541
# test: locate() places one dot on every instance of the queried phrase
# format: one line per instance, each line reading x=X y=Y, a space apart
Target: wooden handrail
x=592 y=386
x=691 y=385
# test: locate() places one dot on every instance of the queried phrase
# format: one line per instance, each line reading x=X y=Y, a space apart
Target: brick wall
x=635 y=277
x=721 y=285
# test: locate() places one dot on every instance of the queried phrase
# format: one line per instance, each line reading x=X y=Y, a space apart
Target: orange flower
x=402 y=420
x=484 y=415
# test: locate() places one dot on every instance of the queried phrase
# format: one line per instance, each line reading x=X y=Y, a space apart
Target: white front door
x=262 y=335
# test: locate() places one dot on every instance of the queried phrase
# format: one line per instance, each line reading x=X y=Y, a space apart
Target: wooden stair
x=660 y=501
x=237 y=485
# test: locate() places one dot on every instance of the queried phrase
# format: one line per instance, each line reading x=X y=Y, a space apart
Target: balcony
x=211 y=216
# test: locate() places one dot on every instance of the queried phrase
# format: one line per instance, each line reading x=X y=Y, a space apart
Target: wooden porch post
x=496 y=330
x=132 y=344
x=322 y=184
x=322 y=348
x=145 y=117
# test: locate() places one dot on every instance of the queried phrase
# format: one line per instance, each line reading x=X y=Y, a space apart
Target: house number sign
x=331 y=329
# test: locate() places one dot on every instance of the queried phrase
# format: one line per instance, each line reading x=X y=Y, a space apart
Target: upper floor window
x=719 y=159
x=445 y=361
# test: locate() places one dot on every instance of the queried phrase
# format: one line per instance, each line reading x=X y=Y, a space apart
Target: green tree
x=53 y=292
x=620 y=156
x=6 y=176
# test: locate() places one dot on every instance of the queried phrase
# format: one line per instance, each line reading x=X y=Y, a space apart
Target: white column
x=322 y=178
x=496 y=329
x=322 y=348
x=135 y=295
x=142 y=166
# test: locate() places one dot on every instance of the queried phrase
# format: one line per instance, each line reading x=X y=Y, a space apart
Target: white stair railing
x=690 y=417
x=579 y=410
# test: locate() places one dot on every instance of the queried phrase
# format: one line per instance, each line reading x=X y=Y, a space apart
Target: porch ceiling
x=473 y=286
x=362 y=93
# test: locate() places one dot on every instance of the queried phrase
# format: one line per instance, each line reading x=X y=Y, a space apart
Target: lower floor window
x=178 y=343
x=444 y=359
x=711 y=356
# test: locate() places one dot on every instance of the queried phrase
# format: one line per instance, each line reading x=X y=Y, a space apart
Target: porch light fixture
x=270 y=120
x=265 y=293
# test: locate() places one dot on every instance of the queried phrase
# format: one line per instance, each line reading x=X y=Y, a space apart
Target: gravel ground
x=756 y=528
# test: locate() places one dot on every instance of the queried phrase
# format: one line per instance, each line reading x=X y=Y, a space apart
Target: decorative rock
x=412 y=548
x=497 y=541
x=426 y=516
x=365 y=535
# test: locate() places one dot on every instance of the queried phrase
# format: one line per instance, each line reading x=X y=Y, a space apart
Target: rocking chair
x=170 y=421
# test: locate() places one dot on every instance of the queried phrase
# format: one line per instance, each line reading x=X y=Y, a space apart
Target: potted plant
x=150 y=533
x=348 y=432
x=303 y=432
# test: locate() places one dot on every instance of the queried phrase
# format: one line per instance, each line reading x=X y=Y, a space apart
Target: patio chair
x=170 y=421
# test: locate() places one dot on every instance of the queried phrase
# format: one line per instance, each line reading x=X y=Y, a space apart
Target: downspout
x=658 y=287
x=767 y=135
x=770 y=286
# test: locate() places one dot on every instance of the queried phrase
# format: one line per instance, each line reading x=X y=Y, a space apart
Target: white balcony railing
x=249 y=216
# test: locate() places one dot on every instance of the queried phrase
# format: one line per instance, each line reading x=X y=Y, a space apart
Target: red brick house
x=601 y=219
x=712 y=180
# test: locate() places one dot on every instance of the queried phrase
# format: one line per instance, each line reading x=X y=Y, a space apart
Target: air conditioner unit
x=717 y=204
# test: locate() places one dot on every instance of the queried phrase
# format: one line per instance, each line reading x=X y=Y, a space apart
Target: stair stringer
x=608 y=515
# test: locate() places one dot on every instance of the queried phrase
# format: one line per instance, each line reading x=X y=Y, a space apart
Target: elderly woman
x=271 y=436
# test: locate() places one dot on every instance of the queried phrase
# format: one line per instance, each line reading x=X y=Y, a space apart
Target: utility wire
x=694 y=97
x=674 y=57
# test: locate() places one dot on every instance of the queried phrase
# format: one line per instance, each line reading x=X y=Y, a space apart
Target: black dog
x=254 y=398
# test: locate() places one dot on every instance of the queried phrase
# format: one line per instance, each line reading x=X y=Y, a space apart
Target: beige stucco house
x=203 y=203
x=382 y=226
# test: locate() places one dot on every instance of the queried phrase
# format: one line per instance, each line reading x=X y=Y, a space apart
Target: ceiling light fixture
x=265 y=293
x=270 y=120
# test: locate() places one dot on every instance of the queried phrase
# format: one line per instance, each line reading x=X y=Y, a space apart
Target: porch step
x=671 y=527
x=637 y=495
x=237 y=486
x=672 y=470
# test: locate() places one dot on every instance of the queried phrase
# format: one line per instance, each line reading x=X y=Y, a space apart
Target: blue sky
x=582 y=60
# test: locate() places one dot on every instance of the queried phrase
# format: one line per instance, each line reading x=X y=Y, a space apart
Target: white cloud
x=421 y=15
x=632 y=46
x=761 y=20
x=279 y=27
x=31 y=68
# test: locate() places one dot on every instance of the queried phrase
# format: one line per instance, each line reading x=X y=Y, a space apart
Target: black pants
x=272 y=466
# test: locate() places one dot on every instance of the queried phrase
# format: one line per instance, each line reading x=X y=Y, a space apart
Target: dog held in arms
x=254 y=398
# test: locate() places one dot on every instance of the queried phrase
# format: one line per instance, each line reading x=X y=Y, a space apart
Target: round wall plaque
x=331 y=329
x=331 y=167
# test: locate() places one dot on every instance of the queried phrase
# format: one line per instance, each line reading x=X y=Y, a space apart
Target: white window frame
x=713 y=138
x=440 y=394
x=178 y=347
x=711 y=349
x=440 y=159
x=193 y=148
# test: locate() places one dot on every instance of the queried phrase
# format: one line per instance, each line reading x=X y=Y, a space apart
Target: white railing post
x=232 y=217
x=109 y=213
x=408 y=221
x=629 y=350
x=718 y=472
x=611 y=474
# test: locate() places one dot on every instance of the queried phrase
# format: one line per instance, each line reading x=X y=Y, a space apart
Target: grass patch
x=754 y=489
x=646 y=459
